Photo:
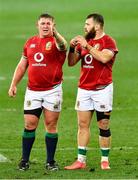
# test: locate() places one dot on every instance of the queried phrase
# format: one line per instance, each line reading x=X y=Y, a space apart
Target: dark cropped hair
x=97 y=18
x=46 y=15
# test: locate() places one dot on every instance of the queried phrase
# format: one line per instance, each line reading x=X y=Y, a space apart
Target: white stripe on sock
x=82 y=158
x=104 y=158
x=82 y=147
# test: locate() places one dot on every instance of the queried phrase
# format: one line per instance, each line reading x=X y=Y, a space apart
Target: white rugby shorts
x=100 y=100
x=50 y=99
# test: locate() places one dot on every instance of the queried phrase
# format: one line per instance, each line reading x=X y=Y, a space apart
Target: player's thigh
x=31 y=121
x=83 y=100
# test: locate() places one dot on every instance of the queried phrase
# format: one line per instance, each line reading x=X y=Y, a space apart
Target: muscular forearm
x=18 y=74
x=73 y=57
x=99 y=55
x=103 y=56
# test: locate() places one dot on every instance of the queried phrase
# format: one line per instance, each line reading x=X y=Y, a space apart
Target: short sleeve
x=111 y=45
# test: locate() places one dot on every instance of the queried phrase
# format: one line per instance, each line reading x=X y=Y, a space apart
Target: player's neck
x=44 y=36
x=99 y=34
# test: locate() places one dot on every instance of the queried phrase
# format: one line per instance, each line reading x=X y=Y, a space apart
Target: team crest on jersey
x=48 y=46
x=28 y=103
x=97 y=46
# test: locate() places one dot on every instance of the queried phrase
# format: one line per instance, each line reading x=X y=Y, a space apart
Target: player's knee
x=105 y=133
x=30 y=124
x=51 y=128
x=103 y=120
x=103 y=124
x=51 y=124
x=82 y=124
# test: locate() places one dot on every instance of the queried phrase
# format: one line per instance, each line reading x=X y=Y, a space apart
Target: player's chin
x=45 y=33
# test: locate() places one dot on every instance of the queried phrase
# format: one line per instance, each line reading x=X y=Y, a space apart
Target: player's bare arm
x=73 y=55
x=18 y=75
x=103 y=56
x=60 y=41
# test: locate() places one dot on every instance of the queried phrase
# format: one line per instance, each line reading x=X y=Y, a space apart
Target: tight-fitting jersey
x=45 y=63
x=94 y=74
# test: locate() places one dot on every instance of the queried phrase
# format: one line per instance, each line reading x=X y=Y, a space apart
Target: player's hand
x=12 y=91
x=82 y=41
x=73 y=42
x=55 y=32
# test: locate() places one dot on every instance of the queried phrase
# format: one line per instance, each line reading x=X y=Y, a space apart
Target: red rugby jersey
x=45 y=63
x=95 y=74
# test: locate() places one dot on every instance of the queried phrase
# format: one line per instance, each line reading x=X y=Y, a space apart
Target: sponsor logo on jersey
x=48 y=46
x=38 y=57
x=88 y=61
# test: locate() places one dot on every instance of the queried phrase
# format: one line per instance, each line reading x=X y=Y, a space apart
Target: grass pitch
x=17 y=23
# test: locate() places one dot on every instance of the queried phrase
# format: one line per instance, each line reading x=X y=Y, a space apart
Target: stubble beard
x=91 y=34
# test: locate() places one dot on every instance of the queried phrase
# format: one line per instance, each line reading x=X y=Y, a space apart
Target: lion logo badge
x=48 y=46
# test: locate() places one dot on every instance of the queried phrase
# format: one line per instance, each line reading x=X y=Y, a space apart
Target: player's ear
x=97 y=26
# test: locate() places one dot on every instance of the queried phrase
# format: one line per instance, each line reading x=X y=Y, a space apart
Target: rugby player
x=97 y=52
x=43 y=57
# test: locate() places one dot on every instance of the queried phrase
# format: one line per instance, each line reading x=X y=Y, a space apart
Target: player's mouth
x=45 y=30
